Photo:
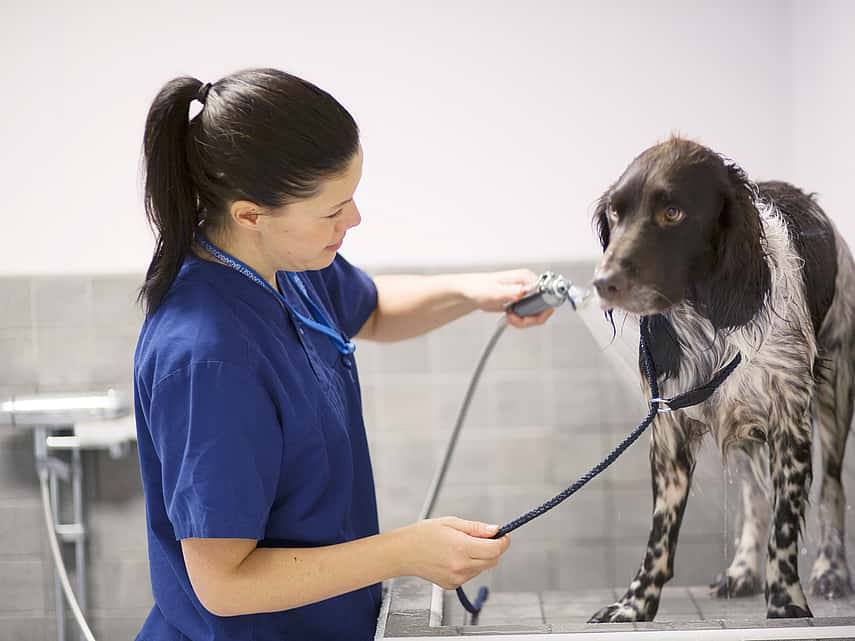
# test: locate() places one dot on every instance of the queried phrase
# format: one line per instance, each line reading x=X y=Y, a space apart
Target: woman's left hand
x=492 y=291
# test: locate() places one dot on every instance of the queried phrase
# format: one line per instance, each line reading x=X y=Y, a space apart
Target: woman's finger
x=522 y=322
x=472 y=528
x=487 y=549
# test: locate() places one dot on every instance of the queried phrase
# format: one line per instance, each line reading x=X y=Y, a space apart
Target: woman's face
x=306 y=234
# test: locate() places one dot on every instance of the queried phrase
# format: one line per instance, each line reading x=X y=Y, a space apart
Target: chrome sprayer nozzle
x=551 y=290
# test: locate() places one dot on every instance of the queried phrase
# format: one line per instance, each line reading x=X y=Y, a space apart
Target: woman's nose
x=354 y=217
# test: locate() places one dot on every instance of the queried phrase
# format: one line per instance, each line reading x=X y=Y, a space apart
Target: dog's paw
x=619 y=612
x=830 y=584
x=725 y=585
x=789 y=611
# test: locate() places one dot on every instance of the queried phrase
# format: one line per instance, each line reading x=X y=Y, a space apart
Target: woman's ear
x=245 y=213
x=739 y=281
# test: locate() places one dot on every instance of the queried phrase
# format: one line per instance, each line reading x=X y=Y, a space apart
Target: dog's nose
x=612 y=284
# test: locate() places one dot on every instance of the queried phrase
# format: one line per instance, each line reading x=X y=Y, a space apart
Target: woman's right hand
x=449 y=551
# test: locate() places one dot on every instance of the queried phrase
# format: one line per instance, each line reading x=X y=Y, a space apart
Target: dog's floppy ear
x=600 y=220
x=739 y=281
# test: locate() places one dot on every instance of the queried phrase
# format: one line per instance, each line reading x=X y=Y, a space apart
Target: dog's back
x=813 y=237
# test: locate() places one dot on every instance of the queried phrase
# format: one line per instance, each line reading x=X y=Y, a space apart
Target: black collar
x=686 y=399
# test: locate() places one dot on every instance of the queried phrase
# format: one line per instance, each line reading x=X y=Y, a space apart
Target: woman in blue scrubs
x=262 y=520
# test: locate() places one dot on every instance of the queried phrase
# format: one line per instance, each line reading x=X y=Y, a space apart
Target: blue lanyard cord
x=320 y=323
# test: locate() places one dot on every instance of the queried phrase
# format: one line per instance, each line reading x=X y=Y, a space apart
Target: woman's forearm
x=409 y=306
x=233 y=577
x=274 y=579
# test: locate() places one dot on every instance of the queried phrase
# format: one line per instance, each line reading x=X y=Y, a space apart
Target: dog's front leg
x=790 y=464
x=672 y=460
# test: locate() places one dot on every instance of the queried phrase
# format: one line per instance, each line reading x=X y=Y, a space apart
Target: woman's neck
x=242 y=249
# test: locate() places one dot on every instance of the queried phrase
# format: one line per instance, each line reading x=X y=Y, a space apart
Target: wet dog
x=722 y=266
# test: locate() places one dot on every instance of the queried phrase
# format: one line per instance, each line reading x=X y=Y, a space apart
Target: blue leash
x=657 y=405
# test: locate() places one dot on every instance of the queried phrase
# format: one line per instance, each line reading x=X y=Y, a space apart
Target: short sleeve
x=216 y=432
x=352 y=294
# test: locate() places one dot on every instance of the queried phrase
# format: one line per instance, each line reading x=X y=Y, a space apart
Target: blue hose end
x=483 y=594
x=473 y=608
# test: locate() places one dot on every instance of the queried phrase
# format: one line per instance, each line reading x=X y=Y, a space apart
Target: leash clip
x=664 y=404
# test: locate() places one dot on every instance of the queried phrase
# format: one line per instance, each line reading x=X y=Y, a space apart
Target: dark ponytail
x=170 y=197
x=262 y=135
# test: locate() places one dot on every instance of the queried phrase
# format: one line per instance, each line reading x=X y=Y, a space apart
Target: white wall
x=824 y=106
x=489 y=128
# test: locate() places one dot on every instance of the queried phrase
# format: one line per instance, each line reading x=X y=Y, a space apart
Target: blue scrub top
x=250 y=426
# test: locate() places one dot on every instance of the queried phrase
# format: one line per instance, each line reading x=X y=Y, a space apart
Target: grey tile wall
x=69 y=334
x=547 y=409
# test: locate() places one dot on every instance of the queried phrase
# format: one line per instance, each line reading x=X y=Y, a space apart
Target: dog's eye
x=611 y=211
x=673 y=215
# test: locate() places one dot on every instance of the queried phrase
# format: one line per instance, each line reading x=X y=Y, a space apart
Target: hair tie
x=202 y=94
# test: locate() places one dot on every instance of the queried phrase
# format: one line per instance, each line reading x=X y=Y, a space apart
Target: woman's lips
x=336 y=246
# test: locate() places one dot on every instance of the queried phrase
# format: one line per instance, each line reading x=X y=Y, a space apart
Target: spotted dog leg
x=790 y=464
x=672 y=460
x=829 y=576
x=742 y=577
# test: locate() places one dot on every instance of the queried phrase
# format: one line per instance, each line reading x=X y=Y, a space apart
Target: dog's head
x=680 y=225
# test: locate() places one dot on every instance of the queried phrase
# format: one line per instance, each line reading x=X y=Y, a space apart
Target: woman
x=262 y=521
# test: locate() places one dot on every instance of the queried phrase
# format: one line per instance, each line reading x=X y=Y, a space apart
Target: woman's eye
x=336 y=214
x=673 y=215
